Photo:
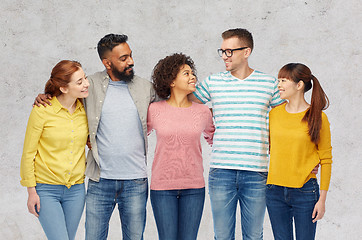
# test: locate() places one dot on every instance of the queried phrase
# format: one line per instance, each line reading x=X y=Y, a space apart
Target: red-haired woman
x=300 y=139
x=53 y=160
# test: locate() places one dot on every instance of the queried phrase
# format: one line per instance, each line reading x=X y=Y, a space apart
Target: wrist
x=31 y=190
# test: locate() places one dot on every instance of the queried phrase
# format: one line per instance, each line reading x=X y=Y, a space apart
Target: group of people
x=115 y=110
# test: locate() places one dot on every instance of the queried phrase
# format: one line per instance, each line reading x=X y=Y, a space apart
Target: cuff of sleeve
x=28 y=183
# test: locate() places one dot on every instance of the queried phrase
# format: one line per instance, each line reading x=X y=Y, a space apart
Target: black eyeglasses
x=228 y=52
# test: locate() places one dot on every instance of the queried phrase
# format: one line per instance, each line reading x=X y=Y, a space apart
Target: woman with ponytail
x=300 y=139
x=53 y=161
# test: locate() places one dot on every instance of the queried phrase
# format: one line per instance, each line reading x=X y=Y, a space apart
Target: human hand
x=315 y=169
x=89 y=145
x=33 y=202
x=319 y=210
x=42 y=99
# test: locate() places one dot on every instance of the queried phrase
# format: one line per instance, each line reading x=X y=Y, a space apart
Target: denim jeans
x=227 y=187
x=102 y=197
x=60 y=209
x=178 y=212
x=285 y=203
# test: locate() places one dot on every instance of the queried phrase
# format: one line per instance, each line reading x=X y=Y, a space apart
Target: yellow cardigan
x=292 y=153
x=54 y=146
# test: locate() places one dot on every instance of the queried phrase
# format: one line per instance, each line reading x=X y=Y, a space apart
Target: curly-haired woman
x=177 y=182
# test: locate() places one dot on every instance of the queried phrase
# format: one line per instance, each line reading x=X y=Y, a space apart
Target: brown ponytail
x=319 y=100
x=60 y=76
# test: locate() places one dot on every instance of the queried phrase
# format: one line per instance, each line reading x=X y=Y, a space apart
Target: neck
x=179 y=100
x=296 y=104
x=67 y=102
x=112 y=77
x=242 y=72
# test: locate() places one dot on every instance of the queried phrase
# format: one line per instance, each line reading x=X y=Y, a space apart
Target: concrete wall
x=325 y=35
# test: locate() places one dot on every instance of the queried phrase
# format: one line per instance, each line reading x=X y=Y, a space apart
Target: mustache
x=129 y=67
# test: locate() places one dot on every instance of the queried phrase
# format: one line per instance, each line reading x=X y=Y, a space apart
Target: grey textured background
x=325 y=35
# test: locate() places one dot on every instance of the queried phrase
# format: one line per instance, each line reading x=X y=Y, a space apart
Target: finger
x=37 y=210
x=36 y=103
x=31 y=209
x=318 y=217
x=38 y=206
x=314 y=213
x=48 y=102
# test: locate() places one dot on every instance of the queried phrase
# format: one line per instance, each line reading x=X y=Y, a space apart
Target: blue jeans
x=285 y=203
x=178 y=212
x=227 y=187
x=60 y=209
x=102 y=197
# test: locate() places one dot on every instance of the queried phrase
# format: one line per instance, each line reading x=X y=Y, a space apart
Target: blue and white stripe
x=241 y=113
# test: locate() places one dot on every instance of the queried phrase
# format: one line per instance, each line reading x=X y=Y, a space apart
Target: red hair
x=319 y=100
x=60 y=76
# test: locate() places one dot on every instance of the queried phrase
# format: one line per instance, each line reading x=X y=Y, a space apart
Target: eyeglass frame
x=221 y=51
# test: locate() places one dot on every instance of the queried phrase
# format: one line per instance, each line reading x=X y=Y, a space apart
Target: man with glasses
x=241 y=98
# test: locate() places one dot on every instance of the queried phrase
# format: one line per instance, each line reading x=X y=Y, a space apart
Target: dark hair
x=166 y=70
x=242 y=34
x=60 y=76
x=319 y=100
x=108 y=42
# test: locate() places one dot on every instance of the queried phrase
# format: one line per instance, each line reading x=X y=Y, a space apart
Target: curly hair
x=166 y=70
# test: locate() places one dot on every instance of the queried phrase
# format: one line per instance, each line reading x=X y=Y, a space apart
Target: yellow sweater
x=292 y=153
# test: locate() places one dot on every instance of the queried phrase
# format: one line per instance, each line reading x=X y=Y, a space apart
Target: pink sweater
x=177 y=162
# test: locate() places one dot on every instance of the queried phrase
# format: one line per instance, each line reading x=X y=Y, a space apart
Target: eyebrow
x=126 y=55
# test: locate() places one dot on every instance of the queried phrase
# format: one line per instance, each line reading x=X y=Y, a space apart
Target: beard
x=123 y=76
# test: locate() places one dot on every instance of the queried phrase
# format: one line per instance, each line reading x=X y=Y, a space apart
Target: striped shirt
x=241 y=113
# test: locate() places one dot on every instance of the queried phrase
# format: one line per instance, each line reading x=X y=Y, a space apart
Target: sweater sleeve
x=150 y=119
x=325 y=153
x=210 y=127
x=32 y=137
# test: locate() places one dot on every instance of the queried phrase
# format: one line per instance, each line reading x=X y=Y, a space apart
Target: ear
x=300 y=85
x=63 y=89
x=106 y=63
x=172 y=84
x=247 y=52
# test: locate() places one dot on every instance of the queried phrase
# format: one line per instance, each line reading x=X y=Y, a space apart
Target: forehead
x=77 y=75
x=231 y=43
x=120 y=50
x=185 y=67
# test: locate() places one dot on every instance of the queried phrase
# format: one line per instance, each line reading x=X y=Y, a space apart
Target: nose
x=130 y=61
x=224 y=57
x=86 y=83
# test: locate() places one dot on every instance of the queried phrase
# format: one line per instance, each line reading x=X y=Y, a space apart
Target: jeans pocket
x=309 y=187
x=212 y=170
x=263 y=174
x=270 y=186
